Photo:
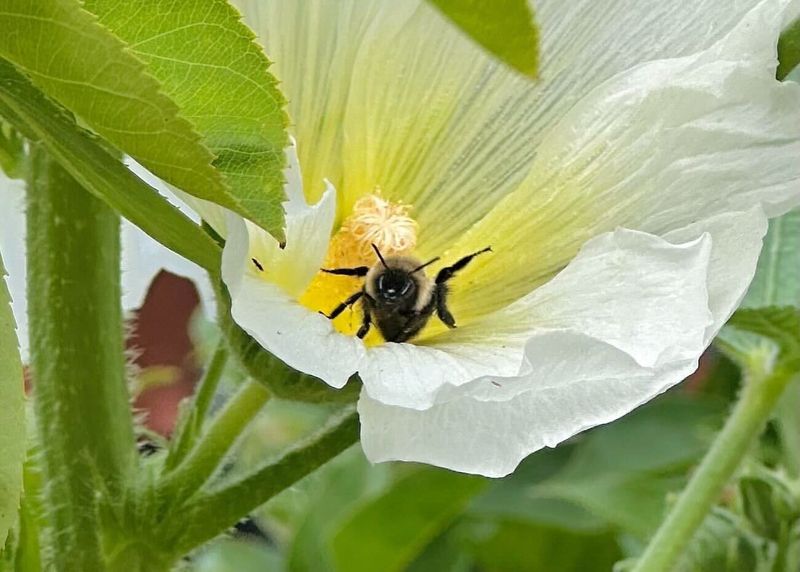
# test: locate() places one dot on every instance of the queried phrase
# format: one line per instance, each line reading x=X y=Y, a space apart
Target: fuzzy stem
x=761 y=392
x=225 y=429
x=209 y=513
x=788 y=424
x=194 y=419
x=77 y=357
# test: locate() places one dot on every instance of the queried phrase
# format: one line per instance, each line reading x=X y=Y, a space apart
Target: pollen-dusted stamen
x=374 y=220
x=387 y=225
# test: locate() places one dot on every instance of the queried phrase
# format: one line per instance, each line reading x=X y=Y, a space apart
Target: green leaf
x=91 y=72
x=12 y=415
x=333 y=492
x=776 y=283
x=99 y=172
x=777 y=279
x=789 y=49
x=724 y=544
x=83 y=65
x=208 y=63
x=780 y=324
x=505 y=28
x=514 y=546
x=390 y=531
x=768 y=504
x=514 y=498
x=623 y=472
x=444 y=553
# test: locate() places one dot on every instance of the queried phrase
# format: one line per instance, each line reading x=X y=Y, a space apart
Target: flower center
x=374 y=220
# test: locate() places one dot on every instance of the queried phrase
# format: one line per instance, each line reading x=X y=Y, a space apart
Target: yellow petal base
x=374 y=220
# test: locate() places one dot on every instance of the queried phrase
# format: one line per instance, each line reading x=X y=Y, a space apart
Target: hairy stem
x=224 y=430
x=197 y=409
x=788 y=424
x=745 y=423
x=209 y=513
x=77 y=357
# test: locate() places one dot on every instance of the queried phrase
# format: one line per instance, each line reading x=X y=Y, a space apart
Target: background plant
x=78 y=91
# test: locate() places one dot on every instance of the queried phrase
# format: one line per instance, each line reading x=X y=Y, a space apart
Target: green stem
x=195 y=415
x=208 y=514
x=226 y=427
x=788 y=423
x=77 y=356
x=28 y=553
x=745 y=423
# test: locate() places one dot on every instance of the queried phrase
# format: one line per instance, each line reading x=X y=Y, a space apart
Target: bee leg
x=357 y=271
x=448 y=272
x=341 y=307
x=365 y=324
x=441 y=307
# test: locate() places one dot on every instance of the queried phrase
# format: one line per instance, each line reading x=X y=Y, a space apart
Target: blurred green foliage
x=589 y=505
x=580 y=507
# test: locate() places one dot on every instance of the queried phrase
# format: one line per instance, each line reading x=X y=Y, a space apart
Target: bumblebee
x=397 y=295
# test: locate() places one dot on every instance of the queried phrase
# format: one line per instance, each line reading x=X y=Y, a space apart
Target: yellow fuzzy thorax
x=374 y=220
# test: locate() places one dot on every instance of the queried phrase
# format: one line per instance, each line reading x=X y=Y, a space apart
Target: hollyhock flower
x=142 y=257
x=624 y=194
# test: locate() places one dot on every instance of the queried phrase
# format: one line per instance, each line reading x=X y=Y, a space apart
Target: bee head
x=394 y=286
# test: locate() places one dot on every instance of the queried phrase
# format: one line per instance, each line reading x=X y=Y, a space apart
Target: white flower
x=625 y=196
x=142 y=257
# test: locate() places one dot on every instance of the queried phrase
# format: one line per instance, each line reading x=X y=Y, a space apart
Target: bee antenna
x=421 y=266
x=380 y=256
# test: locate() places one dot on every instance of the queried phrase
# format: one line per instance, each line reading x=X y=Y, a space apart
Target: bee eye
x=392 y=286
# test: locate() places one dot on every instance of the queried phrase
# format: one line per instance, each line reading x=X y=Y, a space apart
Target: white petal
x=143 y=258
x=491 y=437
x=410 y=375
x=264 y=301
x=308 y=231
x=363 y=78
x=736 y=245
x=301 y=338
x=653 y=149
x=585 y=366
x=633 y=291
